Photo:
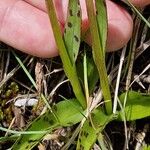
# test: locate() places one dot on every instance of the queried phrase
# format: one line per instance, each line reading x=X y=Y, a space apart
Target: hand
x=24 y=24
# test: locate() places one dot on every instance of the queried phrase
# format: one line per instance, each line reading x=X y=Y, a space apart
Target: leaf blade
x=98 y=52
x=48 y=122
x=102 y=22
x=73 y=30
x=137 y=106
x=91 y=129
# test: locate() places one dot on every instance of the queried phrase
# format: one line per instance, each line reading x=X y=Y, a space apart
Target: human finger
x=140 y=3
x=27 y=28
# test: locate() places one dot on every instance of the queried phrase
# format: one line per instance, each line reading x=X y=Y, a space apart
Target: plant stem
x=99 y=56
x=69 y=69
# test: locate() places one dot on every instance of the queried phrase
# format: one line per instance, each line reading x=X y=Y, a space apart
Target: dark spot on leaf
x=31 y=141
x=90 y=124
x=86 y=134
x=96 y=12
x=37 y=119
x=100 y=126
x=69 y=24
x=70 y=12
x=70 y=123
x=97 y=134
x=51 y=122
x=45 y=119
x=32 y=145
x=78 y=2
x=81 y=147
x=80 y=140
x=104 y=3
x=19 y=143
x=27 y=147
x=76 y=38
x=78 y=13
x=55 y=108
x=81 y=133
x=20 y=140
x=65 y=31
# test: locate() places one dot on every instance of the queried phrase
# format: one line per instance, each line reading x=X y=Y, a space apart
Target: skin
x=24 y=25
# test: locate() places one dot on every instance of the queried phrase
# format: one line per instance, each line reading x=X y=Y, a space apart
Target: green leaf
x=91 y=129
x=8 y=138
x=73 y=30
x=68 y=112
x=69 y=67
x=98 y=46
x=101 y=14
x=92 y=72
x=137 y=106
x=145 y=147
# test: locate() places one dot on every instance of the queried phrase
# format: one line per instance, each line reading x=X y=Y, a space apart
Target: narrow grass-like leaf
x=91 y=129
x=137 y=106
x=73 y=30
x=22 y=132
x=98 y=51
x=25 y=70
x=86 y=87
x=48 y=122
x=69 y=69
x=101 y=14
x=30 y=78
x=8 y=138
x=92 y=73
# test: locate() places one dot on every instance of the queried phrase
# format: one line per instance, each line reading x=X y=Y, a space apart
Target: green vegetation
x=91 y=108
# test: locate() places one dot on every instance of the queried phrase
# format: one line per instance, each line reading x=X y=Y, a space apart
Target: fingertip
x=120 y=26
x=140 y=3
x=28 y=29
